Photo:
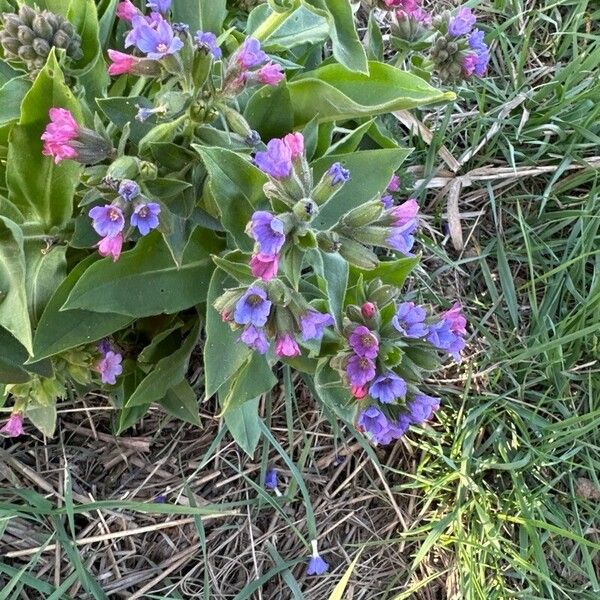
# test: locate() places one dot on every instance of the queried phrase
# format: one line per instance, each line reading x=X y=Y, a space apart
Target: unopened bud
x=356 y=254
x=27 y=53
x=383 y=295
x=41 y=47
x=368 y=310
x=25 y=35
x=329 y=241
x=304 y=210
x=363 y=215
x=41 y=27
x=61 y=39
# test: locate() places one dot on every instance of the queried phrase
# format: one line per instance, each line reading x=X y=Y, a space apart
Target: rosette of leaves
x=28 y=36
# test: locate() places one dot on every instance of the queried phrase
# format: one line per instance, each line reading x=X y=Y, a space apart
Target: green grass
x=491 y=495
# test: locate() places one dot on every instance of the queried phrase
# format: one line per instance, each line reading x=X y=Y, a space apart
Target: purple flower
x=372 y=420
x=409 y=320
x=161 y=6
x=208 y=41
x=338 y=174
x=448 y=333
x=264 y=266
x=406 y=213
x=267 y=230
x=110 y=367
x=145 y=217
x=401 y=239
x=482 y=53
x=286 y=345
x=14 y=426
x=422 y=407
x=405 y=223
x=364 y=342
x=250 y=54
x=388 y=201
x=156 y=41
x=360 y=370
x=313 y=323
x=271 y=479
x=394 y=184
x=394 y=430
x=128 y=190
x=462 y=22
x=252 y=308
x=276 y=161
x=107 y=220
x=468 y=64
x=270 y=74
x=255 y=338
x=386 y=388
x=126 y=10
x=316 y=566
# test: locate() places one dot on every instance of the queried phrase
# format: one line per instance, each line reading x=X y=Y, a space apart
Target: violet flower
x=129 y=190
x=313 y=323
x=14 y=426
x=252 y=308
x=422 y=407
x=208 y=42
x=268 y=232
x=462 y=22
x=157 y=41
x=250 y=54
x=409 y=320
x=145 y=217
x=107 y=220
x=255 y=338
x=387 y=387
x=110 y=367
x=276 y=161
x=360 y=370
x=364 y=342
x=316 y=565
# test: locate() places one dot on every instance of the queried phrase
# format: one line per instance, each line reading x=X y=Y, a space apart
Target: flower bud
x=25 y=35
x=363 y=215
x=11 y=23
x=124 y=167
x=331 y=182
x=356 y=254
x=329 y=241
x=383 y=295
x=27 y=53
x=368 y=310
x=42 y=28
x=41 y=47
x=61 y=39
x=305 y=210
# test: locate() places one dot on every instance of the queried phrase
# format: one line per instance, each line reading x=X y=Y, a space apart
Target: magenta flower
x=286 y=345
x=422 y=407
x=58 y=135
x=295 y=143
x=145 y=217
x=405 y=213
x=368 y=310
x=313 y=323
x=469 y=62
x=267 y=231
x=121 y=63
x=111 y=246
x=360 y=370
x=359 y=391
x=270 y=74
x=387 y=387
x=364 y=342
x=462 y=22
x=409 y=320
x=255 y=338
x=108 y=220
x=156 y=40
x=14 y=426
x=252 y=308
x=394 y=184
x=126 y=10
x=110 y=367
x=276 y=161
x=250 y=54
x=264 y=266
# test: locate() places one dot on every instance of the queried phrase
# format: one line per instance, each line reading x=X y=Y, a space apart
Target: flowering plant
x=183 y=172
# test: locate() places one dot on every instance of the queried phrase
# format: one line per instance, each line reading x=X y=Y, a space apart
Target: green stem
x=272 y=22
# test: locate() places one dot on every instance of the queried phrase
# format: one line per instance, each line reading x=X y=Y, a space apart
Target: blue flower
x=271 y=479
x=208 y=41
x=338 y=174
x=386 y=388
x=252 y=308
x=316 y=565
x=145 y=217
x=267 y=230
x=156 y=41
x=161 y=6
x=422 y=407
x=313 y=323
x=128 y=190
x=107 y=220
x=409 y=320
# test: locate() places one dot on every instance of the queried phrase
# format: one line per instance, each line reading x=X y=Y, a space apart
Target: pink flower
x=405 y=212
x=111 y=246
x=368 y=310
x=61 y=130
x=264 y=266
x=455 y=319
x=394 y=184
x=295 y=143
x=14 y=426
x=359 y=391
x=126 y=10
x=469 y=62
x=121 y=62
x=286 y=345
x=270 y=74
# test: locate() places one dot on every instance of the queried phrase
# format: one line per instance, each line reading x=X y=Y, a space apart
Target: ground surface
x=499 y=498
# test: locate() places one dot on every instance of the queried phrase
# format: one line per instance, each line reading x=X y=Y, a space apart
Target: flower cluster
x=269 y=313
x=379 y=360
x=109 y=220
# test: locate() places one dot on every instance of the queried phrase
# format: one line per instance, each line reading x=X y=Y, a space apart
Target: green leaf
x=181 y=402
x=14 y=315
x=237 y=187
x=84 y=16
x=46 y=270
x=41 y=190
x=121 y=110
x=167 y=370
x=370 y=172
x=329 y=389
x=242 y=423
x=269 y=111
x=12 y=357
x=205 y=15
x=58 y=330
x=43 y=418
x=11 y=96
x=335 y=93
x=392 y=272
x=335 y=273
x=374 y=39
x=238 y=269
x=123 y=287
x=252 y=380
x=347 y=48
x=342 y=584
x=223 y=354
